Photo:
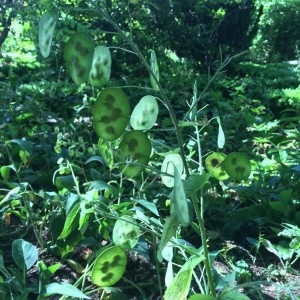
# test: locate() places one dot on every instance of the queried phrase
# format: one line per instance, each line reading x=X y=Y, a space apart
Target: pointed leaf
x=71 y=222
x=180 y=286
x=221 y=135
x=180 y=201
x=169 y=230
x=65 y=289
x=155 y=70
x=24 y=254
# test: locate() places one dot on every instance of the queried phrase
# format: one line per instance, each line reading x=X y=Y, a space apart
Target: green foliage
x=71 y=166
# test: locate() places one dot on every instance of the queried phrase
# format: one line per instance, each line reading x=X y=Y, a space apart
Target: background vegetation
x=62 y=190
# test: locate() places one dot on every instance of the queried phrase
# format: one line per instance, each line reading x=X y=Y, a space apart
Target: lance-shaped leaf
x=46 y=29
x=144 y=114
x=101 y=66
x=78 y=54
x=155 y=70
x=180 y=202
x=110 y=113
x=221 y=135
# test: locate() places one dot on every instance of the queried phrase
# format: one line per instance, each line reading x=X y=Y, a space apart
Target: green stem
x=207 y=262
x=164 y=97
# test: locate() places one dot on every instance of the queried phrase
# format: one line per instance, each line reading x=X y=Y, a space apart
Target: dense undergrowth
x=64 y=193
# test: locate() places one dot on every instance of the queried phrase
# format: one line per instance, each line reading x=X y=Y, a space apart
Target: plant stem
x=164 y=97
x=207 y=263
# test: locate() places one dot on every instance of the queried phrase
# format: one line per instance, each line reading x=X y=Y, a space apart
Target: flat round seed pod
x=110 y=113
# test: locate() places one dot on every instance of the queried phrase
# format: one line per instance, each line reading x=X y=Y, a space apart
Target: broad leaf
x=24 y=254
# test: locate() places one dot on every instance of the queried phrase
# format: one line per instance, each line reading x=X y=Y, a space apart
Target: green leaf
x=169 y=230
x=101 y=66
x=63 y=288
x=202 y=297
x=180 y=201
x=24 y=254
x=169 y=273
x=194 y=183
x=5 y=172
x=64 y=182
x=71 y=222
x=46 y=29
x=109 y=267
x=232 y=294
x=149 y=205
x=144 y=114
x=221 y=135
x=155 y=70
x=180 y=286
x=126 y=233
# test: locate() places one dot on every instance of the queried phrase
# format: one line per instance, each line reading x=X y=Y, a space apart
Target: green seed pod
x=110 y=113
x=213 y=164
x=101 y=66
x=135 y=150
x=237 y=165
x=78 y=54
